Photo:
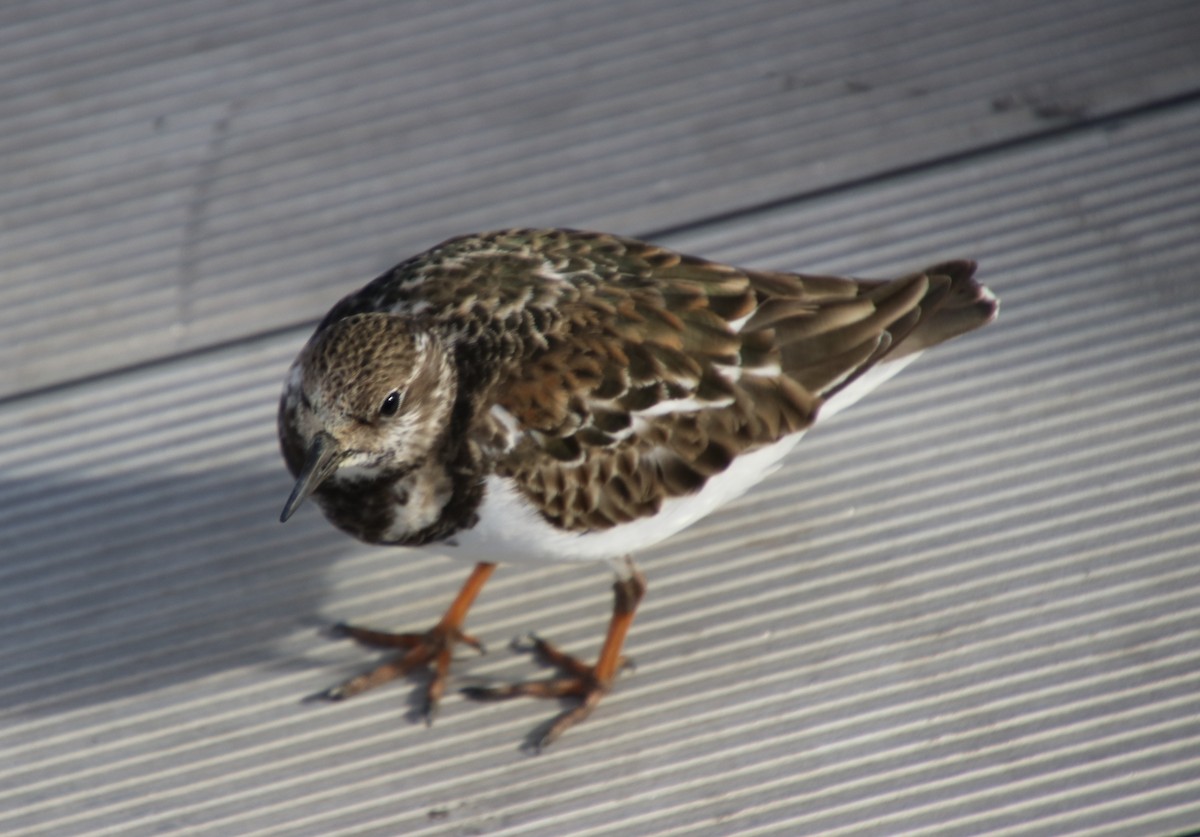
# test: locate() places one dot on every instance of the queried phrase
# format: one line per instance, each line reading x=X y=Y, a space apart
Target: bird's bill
x=322 y=459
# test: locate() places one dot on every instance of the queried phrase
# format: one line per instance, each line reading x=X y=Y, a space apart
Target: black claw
x=482 y=693
x=525 y=644
x=324 y=696
x=339 y=630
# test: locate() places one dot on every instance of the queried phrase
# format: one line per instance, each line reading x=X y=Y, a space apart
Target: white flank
x=510 y=530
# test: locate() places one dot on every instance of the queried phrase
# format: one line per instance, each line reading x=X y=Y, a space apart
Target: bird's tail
x=831 y=332
x=955 y=304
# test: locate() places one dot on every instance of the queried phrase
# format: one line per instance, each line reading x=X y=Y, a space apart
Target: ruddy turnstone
x=554 y=395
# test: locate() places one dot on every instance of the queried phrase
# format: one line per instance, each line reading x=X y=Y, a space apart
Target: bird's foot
x=578 y=680
x=431 y=650
x=588 y=684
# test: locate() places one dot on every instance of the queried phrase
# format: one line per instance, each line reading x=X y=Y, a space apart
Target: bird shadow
x=115 y=585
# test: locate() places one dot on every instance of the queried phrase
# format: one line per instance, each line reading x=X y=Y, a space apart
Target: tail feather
x=966 y=306
x=829 y=341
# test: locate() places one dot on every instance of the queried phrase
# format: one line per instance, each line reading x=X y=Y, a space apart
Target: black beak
x=321 y=460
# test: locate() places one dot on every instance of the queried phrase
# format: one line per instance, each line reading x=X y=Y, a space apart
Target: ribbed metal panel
x=181 y=174
x=969 y=605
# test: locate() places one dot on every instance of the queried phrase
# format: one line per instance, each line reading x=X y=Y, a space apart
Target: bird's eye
x=390 y=404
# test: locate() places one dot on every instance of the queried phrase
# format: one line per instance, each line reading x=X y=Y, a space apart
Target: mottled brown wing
x=655 y=370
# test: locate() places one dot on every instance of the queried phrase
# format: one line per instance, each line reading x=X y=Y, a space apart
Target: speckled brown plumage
x=578 y=383
x=579 y=337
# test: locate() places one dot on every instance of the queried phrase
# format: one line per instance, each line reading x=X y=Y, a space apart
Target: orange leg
x=589 y=683
x=432 y=649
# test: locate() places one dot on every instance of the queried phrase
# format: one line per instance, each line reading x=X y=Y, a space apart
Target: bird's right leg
x=432 y=649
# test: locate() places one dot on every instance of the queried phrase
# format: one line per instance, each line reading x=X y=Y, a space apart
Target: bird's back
x=613 y=375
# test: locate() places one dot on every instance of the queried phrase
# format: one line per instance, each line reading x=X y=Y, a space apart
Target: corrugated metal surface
x=969 y=606
x=181 y=174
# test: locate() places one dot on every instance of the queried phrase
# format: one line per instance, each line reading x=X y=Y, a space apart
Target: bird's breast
x=410 y=508
x=419 y=502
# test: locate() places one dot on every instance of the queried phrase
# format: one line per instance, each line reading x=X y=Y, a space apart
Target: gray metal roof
x=969 y=605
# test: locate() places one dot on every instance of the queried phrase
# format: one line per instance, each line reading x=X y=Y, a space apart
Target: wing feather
x=633 y=374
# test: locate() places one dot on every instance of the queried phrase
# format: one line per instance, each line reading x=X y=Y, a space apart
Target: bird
x=550 y=395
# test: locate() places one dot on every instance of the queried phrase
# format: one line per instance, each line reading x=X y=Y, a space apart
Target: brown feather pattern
x=606 y=375
x=593 y=380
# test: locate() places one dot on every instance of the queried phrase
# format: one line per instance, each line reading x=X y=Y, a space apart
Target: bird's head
x=368 y=395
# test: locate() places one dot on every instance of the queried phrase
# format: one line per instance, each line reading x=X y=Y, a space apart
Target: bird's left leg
x=588 y=683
